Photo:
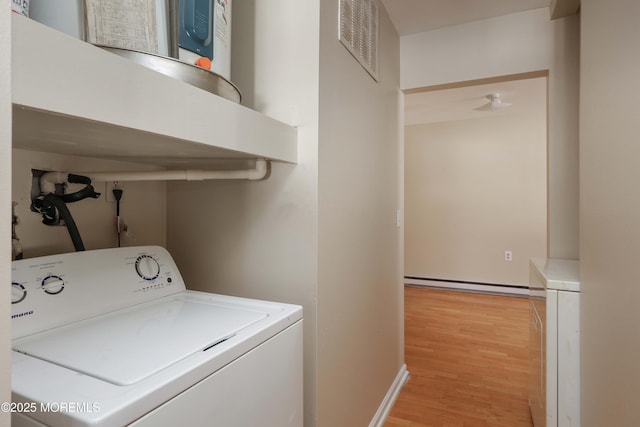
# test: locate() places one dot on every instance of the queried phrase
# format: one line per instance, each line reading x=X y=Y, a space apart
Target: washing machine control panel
x=59 y=289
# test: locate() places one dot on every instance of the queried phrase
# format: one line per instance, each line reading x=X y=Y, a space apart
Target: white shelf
x=70 y=97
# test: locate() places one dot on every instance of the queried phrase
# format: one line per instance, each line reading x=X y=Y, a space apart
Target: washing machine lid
x=129 y=345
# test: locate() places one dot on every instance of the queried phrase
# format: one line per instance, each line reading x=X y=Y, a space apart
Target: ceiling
x=415 y=16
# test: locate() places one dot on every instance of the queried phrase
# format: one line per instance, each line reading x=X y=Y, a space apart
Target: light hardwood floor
x=467 y=356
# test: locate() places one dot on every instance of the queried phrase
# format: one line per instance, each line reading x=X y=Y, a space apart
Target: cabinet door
x=568 y=359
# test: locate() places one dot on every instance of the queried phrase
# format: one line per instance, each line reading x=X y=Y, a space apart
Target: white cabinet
x=70 y=97
x=554 y=343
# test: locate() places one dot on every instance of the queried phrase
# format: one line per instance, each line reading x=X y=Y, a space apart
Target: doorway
x=476 y=184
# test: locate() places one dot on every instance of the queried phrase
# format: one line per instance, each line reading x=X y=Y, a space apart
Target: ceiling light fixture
x=495 y=103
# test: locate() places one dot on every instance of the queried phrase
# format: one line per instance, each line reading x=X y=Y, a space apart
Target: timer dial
x=18 y=293
x=147 y=267
x=52 y=285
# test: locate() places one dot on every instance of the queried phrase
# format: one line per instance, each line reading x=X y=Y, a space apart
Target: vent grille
x=359 y=32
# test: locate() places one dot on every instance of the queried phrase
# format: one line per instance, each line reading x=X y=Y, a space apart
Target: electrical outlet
x=508 y=256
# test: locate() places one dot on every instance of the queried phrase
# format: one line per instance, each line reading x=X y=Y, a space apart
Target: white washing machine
x=554 y=342
x=112 y=337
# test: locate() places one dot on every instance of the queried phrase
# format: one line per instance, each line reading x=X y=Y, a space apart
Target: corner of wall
x=5 y=196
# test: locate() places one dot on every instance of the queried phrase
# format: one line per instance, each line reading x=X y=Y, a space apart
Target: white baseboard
x=472 y=287
x=390 y=398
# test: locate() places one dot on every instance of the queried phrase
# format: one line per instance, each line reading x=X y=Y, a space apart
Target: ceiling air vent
x=359 y=28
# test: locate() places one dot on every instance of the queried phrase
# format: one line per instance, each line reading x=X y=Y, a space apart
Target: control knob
x=18 y=293
x=52 y=285
x=147 y=267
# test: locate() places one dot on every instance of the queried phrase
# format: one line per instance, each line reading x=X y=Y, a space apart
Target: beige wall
x=5 y=197
x=359 y=288
x=563 y=145
x=259 y=239
x=610 y=213
x=320 y=233
x=473 y=189
x=511 y=44
x=143 y=207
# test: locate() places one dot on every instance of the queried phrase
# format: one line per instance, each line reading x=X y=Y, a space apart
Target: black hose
x=87 y=191
x=78 y=179
x=65 y=214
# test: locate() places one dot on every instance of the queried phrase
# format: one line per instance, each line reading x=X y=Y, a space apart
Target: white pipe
x=258 y=173
x=49 y=180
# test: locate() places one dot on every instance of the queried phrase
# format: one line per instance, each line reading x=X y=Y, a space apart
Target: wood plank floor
x=467 y=356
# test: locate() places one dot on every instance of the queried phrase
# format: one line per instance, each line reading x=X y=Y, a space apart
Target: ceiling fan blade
x=486 y=107
x=494 y=104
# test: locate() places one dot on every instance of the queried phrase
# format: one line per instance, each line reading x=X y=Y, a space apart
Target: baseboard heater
x=462 y=285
